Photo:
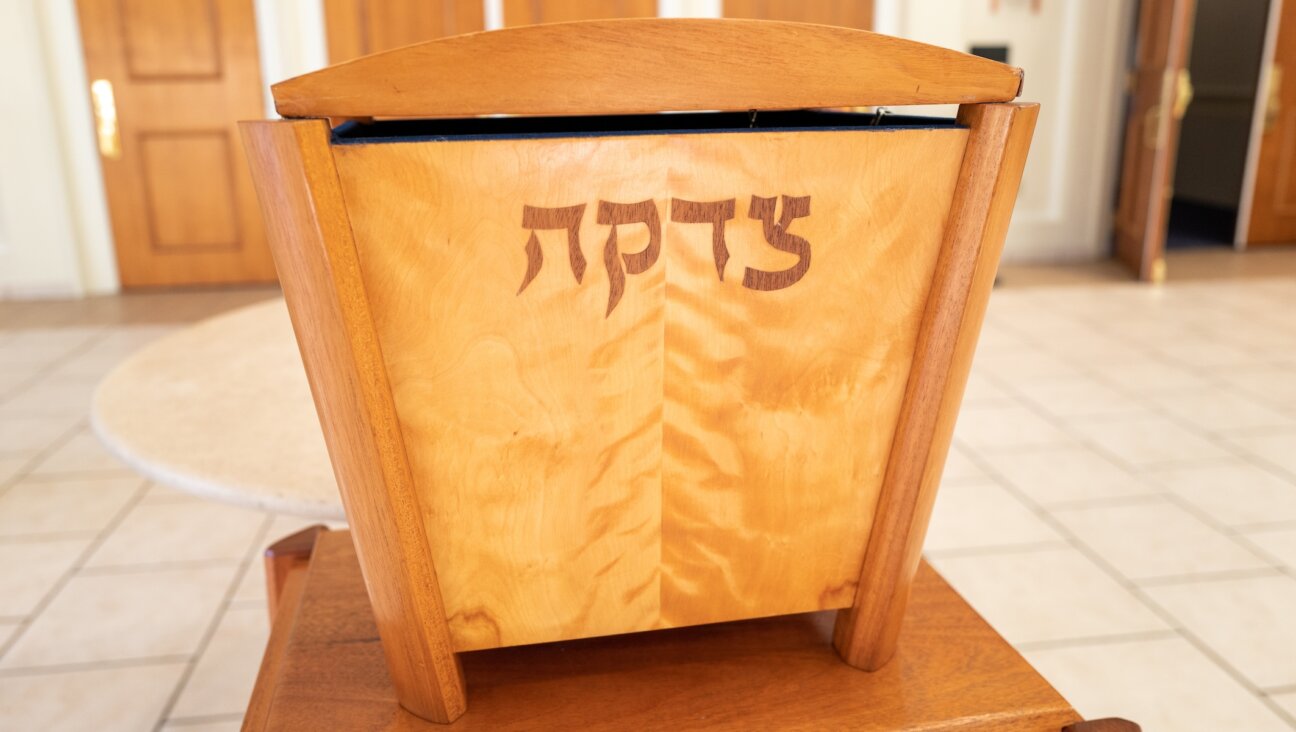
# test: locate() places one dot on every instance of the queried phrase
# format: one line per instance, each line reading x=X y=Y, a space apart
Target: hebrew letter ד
x=715 y=213
x=537 y=218
x=643 y=212
x=794 y=207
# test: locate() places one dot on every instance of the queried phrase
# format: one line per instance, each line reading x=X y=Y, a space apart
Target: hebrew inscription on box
x=776 y=215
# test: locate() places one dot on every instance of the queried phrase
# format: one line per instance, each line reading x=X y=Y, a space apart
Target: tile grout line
x=1264 y=527
x=1110 y=570
x=1098 y=640
x=44 y=370
x=1167 y=617
x=221 y=610
x=61 y=668
x=23 y=473
x=1220 y=527
x=81 y=423
x=204 y=719
x=995 y=549
x=110 y=570
x=81 y=559
x=1223 y=575
x=1141 y=473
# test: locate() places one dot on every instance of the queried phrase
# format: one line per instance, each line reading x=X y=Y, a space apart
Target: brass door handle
x=1180 y=89
x=105 y=113
x=1273 y=97
x=1183 y=93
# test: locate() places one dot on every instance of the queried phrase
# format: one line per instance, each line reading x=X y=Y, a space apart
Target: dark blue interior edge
x=506 y=128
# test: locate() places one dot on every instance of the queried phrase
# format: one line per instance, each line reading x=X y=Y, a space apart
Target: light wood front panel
x=780 y=404
x=613 y=438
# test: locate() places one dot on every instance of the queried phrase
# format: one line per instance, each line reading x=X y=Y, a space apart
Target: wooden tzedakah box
x=598 y=374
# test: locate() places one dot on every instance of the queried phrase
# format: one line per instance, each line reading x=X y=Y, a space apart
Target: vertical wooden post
x=310 y=235
x=284 y=557
x=999 y=136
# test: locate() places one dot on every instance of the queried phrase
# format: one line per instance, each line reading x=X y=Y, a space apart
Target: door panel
x=357 y=28
x=848 y=13
x=182 y=73
x=530 y=12
x=1159 y=96
x=197 y=208
x=176 y=39
x=1273 y=205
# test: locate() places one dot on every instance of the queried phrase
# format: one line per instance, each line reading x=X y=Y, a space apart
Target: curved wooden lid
x=646 y=65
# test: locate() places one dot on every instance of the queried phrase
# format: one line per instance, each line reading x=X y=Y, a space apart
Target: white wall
x=55 y=234
x=1073 y=52
x=38 y=235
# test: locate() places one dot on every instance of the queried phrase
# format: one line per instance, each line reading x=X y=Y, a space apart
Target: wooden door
x=530 y=12
x=1273 y=203
x=848 y=13
x=169 y=80
x=1159 y=96
x=355 y=28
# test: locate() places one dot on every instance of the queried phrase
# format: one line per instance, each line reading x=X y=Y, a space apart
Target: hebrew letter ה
x=643 y=212
x=537 y=218
x=794 y=207
x=715 y=213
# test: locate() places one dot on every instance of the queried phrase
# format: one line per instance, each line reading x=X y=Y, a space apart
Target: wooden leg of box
x=310 y=236
x=283 y=557
x=998 y=139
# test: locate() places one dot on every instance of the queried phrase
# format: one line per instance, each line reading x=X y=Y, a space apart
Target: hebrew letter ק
x=537 y=218
x=643 y=212
x=794 y=207
x=715 y=213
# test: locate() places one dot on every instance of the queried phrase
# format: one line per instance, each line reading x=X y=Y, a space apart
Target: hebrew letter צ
x=794 y=207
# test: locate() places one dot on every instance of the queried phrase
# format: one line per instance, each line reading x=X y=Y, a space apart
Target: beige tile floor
x=1120 y=503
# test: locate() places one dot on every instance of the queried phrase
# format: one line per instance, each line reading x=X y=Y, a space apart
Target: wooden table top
x=325 y=669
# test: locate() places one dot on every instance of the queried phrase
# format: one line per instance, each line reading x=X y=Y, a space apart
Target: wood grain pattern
x=283 y=607
x=1000 y=135
x=171 y=40
x=189 y=190
x=355 y=28
x=849 y=13
x=1273 y=207
x=704 y=451
x=284 y=557
x=316 y=258
x=646 y=65
x=953 y=672
x=528 y=12
x=1152 y=135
